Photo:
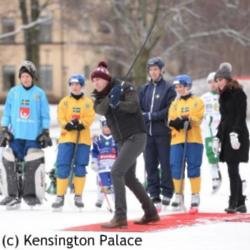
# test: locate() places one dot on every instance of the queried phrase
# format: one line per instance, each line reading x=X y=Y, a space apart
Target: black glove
x=80 y=127
x=44 y=139
x=178 y=123
x=74 y=125
x=5 y=137
x=115 y=95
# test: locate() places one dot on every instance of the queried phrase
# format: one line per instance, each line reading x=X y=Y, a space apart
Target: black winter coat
x=125 y=120
x=233 y=109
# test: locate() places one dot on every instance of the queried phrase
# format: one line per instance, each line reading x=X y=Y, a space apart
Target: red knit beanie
x=101 y=72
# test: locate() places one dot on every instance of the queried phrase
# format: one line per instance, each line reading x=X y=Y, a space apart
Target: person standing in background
x=104 y=152
x=25 y=127
x=232 y=140
x=155 y=98
x=75 y=115
x=211 y=122
x=186 y=141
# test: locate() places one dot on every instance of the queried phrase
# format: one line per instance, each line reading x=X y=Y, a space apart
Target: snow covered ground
x=41 y=221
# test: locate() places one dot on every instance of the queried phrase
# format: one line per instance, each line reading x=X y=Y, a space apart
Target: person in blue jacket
x=25 y=127
x=155 y=98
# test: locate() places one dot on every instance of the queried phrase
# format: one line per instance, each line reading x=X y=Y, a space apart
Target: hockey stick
x=71 y=185
x=183 y=160
x=105 y=194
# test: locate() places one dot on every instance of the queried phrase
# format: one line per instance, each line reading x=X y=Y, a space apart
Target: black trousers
x=123 y=174
x=235 y=181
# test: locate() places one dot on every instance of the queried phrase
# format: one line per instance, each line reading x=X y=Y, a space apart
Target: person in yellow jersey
x=186 y=141
x=75 y=115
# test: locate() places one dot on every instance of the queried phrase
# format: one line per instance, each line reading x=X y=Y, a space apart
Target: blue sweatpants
x=193 y=159
x=64 y=158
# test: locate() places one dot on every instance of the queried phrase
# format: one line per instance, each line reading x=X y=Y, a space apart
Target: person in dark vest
x=118 y=102
x=155 y=98
x=232 y=140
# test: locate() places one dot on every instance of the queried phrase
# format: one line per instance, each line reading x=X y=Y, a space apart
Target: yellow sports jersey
x=82 y=109
x=193 y=108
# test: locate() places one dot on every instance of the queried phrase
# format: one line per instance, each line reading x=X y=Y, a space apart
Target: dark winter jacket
x=125 y=120
x=233 y=107
x=156 y=98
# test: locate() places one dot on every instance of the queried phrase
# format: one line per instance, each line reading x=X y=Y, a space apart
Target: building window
x=45 y=31
x=8 y=25
x=8 y=72
x=46 y=77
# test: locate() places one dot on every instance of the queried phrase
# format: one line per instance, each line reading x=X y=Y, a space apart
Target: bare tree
x=183 y=33
x=31 y=19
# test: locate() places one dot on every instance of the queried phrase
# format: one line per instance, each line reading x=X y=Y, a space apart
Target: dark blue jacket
x=155 y=99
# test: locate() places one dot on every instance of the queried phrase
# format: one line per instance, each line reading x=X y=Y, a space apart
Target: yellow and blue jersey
x=193 y=108
x=82 y=109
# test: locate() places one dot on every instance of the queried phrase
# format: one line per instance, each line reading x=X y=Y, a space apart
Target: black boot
x=115 y=223
x=241 y=207
x=148 y=218
x=150 y=215
x=232 y=206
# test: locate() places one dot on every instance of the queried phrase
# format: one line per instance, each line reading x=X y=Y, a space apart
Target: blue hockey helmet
x=78 y=78
x=155 y=61
x=184 y=80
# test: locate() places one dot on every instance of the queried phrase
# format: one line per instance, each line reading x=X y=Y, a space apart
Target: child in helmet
x=75 y=116
x=25 y=128
x=211 y=123
x=185 y=116
x=104 y=152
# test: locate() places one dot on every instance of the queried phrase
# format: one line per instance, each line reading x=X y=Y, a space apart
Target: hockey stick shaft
x=74 y=158
x=183 y=160
x=105 y=195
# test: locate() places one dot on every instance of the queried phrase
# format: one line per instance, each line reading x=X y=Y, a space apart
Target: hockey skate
x=78 y=201
x=98 y=203
x=58 y=204
x=195 y=202
x=6 y=200
x=32 y=200
x=166 y=200
x=14 y=204
x=178 y=203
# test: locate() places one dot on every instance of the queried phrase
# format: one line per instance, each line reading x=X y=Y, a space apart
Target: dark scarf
x=77 y=97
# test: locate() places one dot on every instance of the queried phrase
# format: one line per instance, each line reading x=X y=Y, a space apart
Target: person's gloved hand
x=5 y=137
x=44 y=139
x=115 y=95
x=179 y=122
x=146 y=116
x=216 y=145
x=234 y=140
x=72 y=125
x=80 y=127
